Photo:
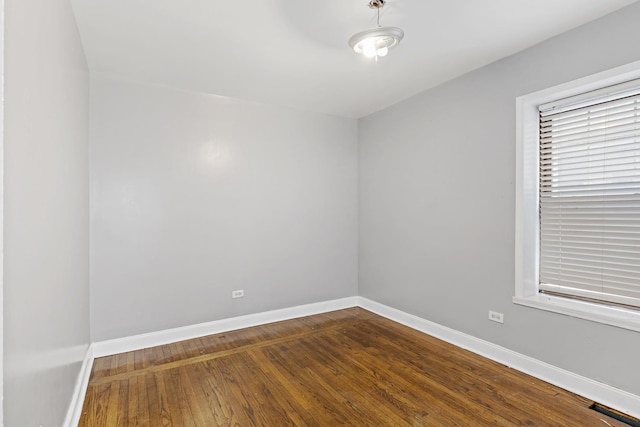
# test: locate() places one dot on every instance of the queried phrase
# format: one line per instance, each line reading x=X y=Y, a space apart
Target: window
x=578 y=198
x=589 y=186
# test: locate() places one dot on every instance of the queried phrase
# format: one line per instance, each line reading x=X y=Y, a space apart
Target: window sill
x=614 y=316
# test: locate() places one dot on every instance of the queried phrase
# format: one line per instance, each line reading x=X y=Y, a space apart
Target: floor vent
x=617 y=415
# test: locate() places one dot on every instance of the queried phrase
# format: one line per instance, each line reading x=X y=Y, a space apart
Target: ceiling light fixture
x=376 y=42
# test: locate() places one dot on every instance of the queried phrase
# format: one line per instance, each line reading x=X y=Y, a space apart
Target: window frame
x=527 y=241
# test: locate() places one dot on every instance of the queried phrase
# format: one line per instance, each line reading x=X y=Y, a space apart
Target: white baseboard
x=152 y=339
x=77 y=399
x=594 y=390
x=586 y=387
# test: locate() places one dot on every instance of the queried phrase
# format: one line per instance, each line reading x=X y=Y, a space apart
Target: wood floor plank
x=348 y=367
x=212 y=383
x=504 y=384
x=348 y=372
x=155 y=406
x=419 y=388
x=166 y=402
x=169 y=362
x=398 y=392
x=283 y=391
x=138 y=403
x=494 y=380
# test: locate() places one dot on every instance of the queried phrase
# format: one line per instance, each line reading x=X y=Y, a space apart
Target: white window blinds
x=590 y=195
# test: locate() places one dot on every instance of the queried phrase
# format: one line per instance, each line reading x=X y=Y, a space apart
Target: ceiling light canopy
x=376 y=42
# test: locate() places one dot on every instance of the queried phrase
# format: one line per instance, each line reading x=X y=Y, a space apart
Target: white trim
x=610 y=396
x=607 y=395
x=527 y=253
x=152 y=339
x=77 y=399
x=603 y=94
x=609 y=315
x=590 y=83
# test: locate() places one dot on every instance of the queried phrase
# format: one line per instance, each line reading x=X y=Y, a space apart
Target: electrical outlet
x=237 y=294
x=496 y=317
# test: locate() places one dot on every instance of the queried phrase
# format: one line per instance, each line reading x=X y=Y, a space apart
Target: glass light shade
x=369 y=48
x=376 y=42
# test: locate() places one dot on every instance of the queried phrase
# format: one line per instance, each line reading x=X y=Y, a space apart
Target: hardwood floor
x=344 y=368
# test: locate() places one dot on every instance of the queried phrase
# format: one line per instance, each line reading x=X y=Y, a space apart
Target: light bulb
x=369 y=48
x=382 y=51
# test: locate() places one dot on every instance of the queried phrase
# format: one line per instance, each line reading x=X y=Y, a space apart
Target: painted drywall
x=195 y=195
x=46 y=211
x=437 y=204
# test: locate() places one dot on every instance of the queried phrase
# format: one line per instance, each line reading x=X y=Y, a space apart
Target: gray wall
x=194 y=195
x=46 y=205
x=437 y=204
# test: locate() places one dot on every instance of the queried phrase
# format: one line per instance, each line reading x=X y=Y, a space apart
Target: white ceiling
x=294 y=53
